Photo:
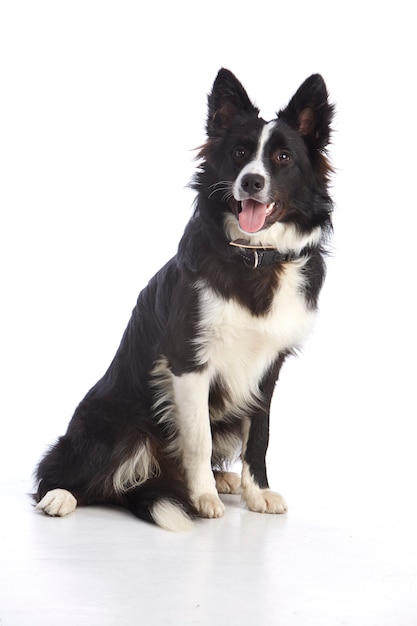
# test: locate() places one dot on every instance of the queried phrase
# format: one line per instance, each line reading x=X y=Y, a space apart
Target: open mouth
x=254 y=216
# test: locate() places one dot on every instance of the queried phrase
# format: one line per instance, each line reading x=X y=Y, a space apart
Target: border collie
x=189 y=389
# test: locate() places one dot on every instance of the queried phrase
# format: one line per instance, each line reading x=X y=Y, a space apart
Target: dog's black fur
x=129 y=442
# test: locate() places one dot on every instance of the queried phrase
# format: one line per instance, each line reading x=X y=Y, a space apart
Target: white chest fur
x=239 y=347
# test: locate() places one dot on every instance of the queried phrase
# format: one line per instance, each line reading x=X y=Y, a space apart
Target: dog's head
x=273 y=173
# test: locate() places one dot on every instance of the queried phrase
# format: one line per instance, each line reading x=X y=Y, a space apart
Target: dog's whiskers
x=221 y=185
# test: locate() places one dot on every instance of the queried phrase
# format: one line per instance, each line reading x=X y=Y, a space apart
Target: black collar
x=259 y=256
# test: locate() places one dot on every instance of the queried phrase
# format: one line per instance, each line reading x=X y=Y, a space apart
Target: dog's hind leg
x=105 y=451
x=57 y=503
x=69 y=474
x=227 y=482
x=57 y=480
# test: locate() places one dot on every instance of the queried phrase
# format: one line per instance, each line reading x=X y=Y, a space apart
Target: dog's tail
x=162 y=501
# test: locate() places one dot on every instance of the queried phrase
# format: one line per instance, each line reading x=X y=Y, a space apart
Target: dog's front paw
x=57 y=502
x=209 y=505
x=266 y=501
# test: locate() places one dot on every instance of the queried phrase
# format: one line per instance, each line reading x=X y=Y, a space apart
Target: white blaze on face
x=255 y=210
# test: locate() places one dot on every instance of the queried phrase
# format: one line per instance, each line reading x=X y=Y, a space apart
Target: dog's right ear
x=227 y=99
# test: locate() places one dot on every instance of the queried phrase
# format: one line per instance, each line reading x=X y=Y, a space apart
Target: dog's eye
x=283 y=157
x=239 y=153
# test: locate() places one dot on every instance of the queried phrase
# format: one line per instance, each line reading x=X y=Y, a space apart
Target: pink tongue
x=252 y=216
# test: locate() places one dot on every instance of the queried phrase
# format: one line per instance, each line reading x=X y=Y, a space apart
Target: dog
x=189 y=390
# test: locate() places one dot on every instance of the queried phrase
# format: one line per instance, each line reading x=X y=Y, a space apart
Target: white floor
x=316 y=565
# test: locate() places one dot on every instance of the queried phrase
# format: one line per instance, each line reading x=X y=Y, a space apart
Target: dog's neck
x=265 y=256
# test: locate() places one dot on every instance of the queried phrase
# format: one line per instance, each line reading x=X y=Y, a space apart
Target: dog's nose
x=252 y=183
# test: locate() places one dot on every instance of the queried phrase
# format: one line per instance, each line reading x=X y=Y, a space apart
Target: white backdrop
x=101 y=105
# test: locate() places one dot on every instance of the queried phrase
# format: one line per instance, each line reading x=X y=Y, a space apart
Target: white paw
x=209 y=505
x=266 y=501
x=227 y=482
x=58 y=502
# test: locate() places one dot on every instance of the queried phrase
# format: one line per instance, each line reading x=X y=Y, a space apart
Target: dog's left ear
x=228 y=99
x=310 y=113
